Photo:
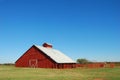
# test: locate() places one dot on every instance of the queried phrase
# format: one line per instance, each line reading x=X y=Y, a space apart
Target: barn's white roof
x=56 y=55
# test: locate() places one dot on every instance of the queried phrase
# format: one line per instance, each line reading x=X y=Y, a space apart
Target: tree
x=82 y=61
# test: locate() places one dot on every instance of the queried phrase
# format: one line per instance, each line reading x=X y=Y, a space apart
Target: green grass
x=13 y=73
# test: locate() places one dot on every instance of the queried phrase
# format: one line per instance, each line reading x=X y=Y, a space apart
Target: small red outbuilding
x=44 y=57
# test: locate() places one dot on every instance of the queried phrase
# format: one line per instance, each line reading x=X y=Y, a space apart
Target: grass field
x=13 y=73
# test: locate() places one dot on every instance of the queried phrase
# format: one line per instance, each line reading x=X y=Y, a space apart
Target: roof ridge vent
x=47 y=45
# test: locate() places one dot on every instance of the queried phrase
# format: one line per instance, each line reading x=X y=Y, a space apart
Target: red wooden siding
x=34 y=58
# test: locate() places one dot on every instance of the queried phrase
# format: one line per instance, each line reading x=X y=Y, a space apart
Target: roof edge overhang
x=53 y=59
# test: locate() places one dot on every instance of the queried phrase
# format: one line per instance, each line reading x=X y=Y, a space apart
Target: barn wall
x=66 y=65
x=35 y=58
x=70 y=65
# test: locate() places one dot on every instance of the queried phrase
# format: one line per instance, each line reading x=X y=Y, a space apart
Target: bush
x=82 y=61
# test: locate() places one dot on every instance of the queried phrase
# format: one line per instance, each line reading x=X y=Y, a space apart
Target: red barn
x=44 y=57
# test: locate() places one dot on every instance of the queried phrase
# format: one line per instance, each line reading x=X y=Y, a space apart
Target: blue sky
x=79 y=28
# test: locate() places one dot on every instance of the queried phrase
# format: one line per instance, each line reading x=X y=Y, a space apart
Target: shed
x=44 y=57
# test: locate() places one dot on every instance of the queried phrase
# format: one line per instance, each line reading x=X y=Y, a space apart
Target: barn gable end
x=44 y=57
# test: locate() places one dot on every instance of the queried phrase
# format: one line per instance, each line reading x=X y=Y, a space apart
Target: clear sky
x=79 y=28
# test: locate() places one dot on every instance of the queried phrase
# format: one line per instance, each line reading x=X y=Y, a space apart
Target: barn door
x=33 y=63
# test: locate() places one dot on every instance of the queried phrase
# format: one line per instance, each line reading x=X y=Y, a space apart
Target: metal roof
x=56 y=55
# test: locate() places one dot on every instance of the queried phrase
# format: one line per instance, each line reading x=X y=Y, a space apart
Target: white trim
x=32 y=64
